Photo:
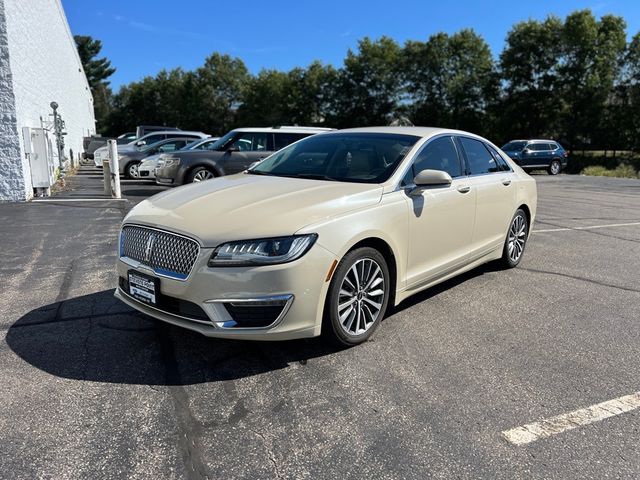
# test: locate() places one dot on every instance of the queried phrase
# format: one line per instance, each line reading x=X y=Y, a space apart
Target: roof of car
x=532 y=140
x=417 y=131
x=172 y=132
x=292 y=129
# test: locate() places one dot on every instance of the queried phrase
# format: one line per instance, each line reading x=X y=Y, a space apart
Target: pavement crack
x=583 y=279
x=189 y=432
x=269 y=450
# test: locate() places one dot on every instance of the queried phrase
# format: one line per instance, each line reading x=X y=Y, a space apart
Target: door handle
x=506 y=182
x=464 y=189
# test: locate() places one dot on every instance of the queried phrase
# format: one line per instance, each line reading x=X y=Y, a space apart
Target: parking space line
x=53 y=199
x=568 y=229
x=568 y=421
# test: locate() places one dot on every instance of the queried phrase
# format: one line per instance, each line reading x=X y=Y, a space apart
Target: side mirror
x=527 y=150
x=431 y=178
x=232 y=149
x=140 y=143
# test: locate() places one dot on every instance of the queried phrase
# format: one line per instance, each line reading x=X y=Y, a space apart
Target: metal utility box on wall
x=37 y=146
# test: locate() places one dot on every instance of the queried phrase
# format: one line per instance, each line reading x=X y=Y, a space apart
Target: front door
x=440 y=217
x=247 y=148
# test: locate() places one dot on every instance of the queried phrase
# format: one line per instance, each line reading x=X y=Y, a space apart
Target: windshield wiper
x=313 y=176
x=256 y=172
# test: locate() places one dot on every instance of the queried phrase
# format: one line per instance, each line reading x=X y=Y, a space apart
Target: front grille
x=166 y=253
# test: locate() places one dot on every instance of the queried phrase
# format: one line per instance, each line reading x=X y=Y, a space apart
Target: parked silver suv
x=232 y=153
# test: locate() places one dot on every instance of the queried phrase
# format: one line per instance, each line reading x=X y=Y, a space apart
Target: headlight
x=168 y=161
x=264 y=251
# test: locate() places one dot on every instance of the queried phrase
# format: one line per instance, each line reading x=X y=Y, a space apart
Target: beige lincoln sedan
x=326 y=234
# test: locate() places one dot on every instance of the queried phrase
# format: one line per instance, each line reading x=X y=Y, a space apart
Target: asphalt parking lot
x=92 y=389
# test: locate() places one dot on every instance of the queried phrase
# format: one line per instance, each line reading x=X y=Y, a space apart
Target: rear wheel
x=200 y=174
x=358 y=297
x=516 y=239
x=555 y=167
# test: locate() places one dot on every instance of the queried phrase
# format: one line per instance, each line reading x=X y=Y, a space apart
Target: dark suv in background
x=537 y=154
x=233 y=153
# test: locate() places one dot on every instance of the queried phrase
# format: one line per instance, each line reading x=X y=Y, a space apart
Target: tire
x=365 y=305
x=200 y=174
x=555 y=167
x=131 y=170
x=517 y=235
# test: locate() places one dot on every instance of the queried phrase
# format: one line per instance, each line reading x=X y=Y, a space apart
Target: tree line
x=576 y=80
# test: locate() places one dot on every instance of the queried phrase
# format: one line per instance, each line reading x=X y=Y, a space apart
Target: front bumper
x=145 y=173
x=210 y=290
x=168 y=175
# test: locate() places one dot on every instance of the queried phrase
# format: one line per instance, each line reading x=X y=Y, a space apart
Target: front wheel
x=516 y=240
x=132 y=170
x=555 y=167
x=358 y=296
x=200 y=174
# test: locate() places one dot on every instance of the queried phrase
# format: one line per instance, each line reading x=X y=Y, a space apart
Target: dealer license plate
x=143 y=287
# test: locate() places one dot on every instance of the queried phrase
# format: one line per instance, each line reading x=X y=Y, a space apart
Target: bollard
x=114 y=169
x=106 y=177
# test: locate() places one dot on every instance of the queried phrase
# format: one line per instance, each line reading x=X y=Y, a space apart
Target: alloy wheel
x=555 y=167
x=361 y=297
x=517 y=238
x=132 y=170
x=202 y=175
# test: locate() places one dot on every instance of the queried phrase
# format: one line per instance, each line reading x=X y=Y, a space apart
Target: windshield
x=222 y=141
x=146 y=148
x=514 y=146
x=342 y=157
x=191 y=145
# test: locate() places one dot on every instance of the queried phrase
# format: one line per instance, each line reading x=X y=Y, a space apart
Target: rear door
x=282 y=139
x=495 y=195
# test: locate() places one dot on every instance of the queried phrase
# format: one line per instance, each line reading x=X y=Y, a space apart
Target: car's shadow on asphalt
x=97 y=338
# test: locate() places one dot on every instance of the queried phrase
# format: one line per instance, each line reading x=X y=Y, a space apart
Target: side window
x=553 y=146
x=250 y=142
x=479 y=159
x=153 y=139
x=502 y=163
x=172 y=146
x=538 y=147
x=284 y=139
x=439 y=154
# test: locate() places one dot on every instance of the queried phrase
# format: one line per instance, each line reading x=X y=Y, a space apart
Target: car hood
x=248 y=206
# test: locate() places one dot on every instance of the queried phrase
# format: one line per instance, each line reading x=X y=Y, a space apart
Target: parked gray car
x=130 y=160
x=232 y=153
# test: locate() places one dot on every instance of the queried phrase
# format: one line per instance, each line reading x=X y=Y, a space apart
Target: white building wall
x=45 y=67
x=11 y=176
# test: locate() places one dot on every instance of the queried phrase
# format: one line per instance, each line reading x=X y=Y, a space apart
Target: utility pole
x=59 y=133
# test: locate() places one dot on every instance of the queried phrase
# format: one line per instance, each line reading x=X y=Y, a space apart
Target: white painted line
x=79 y=200
x=568 y=421
x=568 y=229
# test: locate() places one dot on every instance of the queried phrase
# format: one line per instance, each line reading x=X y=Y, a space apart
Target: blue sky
x=141 y=37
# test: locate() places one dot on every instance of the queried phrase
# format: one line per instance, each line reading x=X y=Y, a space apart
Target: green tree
x=591 y=60
x=97 y=71
x=630 y=98
x=367 y=89
x=219 y=86
x=298 y=97
x=529 y=64
x=451 y=81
